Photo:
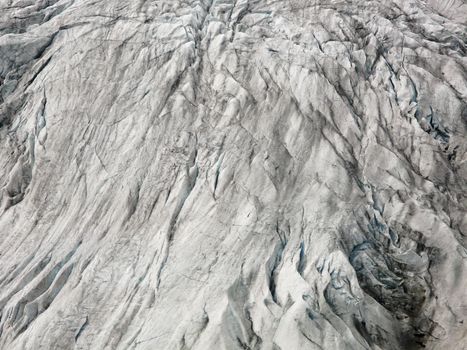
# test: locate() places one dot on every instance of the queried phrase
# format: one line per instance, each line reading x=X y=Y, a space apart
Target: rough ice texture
x=248 y=174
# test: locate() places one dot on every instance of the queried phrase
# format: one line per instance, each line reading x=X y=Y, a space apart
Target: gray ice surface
x=233 y=174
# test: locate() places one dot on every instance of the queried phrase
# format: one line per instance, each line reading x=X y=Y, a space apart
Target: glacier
x=243 y=174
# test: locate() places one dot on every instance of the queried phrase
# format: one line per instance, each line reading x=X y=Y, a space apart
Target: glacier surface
x=233 y=174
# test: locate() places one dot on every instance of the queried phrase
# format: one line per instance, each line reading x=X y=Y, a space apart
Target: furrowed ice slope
x=246 y=174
